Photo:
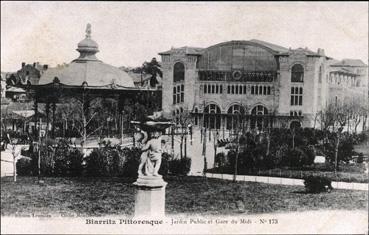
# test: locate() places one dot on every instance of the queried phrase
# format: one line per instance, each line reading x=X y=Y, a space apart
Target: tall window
x=178 y=94
x=259 y=119
x=296 y=96
x=196 y=111
x=174 y=95
x=234 y=117
x=320 y=74
x=212 y=116
x=178 y=89
x=297 y=73
x=178 y=72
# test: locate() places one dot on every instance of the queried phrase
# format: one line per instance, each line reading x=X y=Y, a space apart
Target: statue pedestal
x=150 y=196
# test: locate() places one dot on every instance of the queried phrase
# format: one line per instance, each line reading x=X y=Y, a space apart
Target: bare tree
x=240 y=133
x=341 y=116
x=184 y=119
x=325 y=117
x=355 y=114
x=268 y=131
x=82 y=111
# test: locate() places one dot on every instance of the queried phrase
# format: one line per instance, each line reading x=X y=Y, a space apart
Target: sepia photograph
x=184 y=117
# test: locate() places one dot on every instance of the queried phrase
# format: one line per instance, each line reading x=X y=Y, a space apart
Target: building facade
x=30 y=73
x=256 y=81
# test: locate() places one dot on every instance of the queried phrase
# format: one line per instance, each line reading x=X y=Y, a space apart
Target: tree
x=358 y=113
x=152 y=68
x=325 y=117
x=88 y=114
x=241 y=138
x=183 y=120
x=341 y=117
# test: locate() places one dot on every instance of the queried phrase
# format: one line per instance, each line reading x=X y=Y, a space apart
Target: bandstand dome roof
x=87 y=69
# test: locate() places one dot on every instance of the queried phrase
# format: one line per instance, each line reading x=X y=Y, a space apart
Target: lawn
x=185 y=195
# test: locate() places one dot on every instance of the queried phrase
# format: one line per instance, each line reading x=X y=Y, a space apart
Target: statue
x=151 y=156
x=150 y=193
x=151 y=130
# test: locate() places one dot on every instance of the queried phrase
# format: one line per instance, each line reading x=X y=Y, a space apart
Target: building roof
x=343 y=70
x=186 y=49
x=24 y=113
x=87 y=69
x=15 y=90
x=350 y=63
x=94 y=73
x=304 y=51
x=17 y=109
x=199 y=51
x=272 y=46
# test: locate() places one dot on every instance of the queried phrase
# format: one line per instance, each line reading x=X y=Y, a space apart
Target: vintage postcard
x=184 y=117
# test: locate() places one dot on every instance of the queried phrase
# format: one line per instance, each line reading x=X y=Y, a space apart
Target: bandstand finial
x=88 y=30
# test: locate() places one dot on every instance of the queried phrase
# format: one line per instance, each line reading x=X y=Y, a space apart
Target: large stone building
x=256 y=81
x=29 y=74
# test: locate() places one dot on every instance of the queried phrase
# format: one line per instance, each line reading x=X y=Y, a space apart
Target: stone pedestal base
x=150 y=196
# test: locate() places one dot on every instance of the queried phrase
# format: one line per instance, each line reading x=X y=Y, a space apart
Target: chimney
x=321 y=51
x=46 y=66
x=34 y=65
x=23 y=64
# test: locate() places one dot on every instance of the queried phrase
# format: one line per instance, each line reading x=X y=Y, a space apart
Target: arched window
x=178 y=72
x=295 y=125
x=259 y=119
x=297 y=73
x=259 y=110
x=212 y=116
x=235 y=115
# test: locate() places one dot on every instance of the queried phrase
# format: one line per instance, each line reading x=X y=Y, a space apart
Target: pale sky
x=129 y=33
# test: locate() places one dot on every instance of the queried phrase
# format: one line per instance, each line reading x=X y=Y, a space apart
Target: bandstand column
x=121 y=100
x=47 y=111
x=35 y=107
x=53 y=126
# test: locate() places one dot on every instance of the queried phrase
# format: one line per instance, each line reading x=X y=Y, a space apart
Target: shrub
x=132 y=160
x=317 y=184
x=24 y=167
x=246 y=162
x=57 y=160
x=220 y=159
x=231 y=159
x=309 y=155
x=269 y=162
x=164 y=167
x=280 y=154
x=107 y=161
x=67 y=161
x=180 y=166
x=295 y=158
x=360 y=158
x=259 y=153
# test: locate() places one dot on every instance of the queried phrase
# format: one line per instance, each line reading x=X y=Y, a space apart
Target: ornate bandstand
x=85 y=79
